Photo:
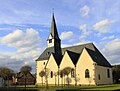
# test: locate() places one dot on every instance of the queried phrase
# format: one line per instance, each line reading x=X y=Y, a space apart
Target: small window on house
x=72 y=73
x=108 y=73
x=87 y=75
x=99 y=76
x=50 y=41
x=51 y=74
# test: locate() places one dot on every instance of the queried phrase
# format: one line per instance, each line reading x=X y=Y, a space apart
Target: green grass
x=101 y=87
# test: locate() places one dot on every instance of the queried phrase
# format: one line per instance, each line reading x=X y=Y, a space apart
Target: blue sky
x=25 y=26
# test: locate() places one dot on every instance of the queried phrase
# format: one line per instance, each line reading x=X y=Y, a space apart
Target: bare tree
x=25 y=70
x=66 y=71
x=89 y=80
x=42 y=74
x=55 y=74
x=47 y=72
x=76 y=80
x=6 y=73
x=68 y=80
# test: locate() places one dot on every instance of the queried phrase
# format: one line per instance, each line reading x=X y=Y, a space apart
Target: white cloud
x=108 y=38
x=20 y=39
x=27 y=44
x=84 y=30
x=112 y=51
x=103 y=26
x=66 y=35
x=85 y=11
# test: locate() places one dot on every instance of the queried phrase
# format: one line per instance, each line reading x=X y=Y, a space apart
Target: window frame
x=108 y=73
x=87 y=73
x=50 y=40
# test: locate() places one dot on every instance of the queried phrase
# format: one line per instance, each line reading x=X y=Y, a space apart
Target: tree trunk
x=55 y=80
x=68 y=80
x=25 y=82
x=75 y=77
x=58 y=75
x=42 y=81
x=64 y=80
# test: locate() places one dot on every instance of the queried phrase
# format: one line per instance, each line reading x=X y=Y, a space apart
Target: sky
x=25 y=27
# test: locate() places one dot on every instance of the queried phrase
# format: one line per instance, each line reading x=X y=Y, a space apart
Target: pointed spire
x=53 y=29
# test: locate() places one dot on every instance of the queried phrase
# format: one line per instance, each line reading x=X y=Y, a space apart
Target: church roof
x=98 y=57
x=78 y=48
x=46 y=54
x=53 y=29
x=75 y=52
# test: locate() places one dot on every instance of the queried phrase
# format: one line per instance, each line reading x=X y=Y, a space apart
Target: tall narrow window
x=99 y=76
x=108 y=73
x=51 y=74
x=87 y=75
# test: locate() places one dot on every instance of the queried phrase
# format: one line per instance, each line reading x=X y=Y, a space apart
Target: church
x=75 y=65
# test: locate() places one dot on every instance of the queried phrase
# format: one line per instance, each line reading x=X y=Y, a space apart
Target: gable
x=66 y=61
x=50 y=37
x=52 y=63
x=85 y=59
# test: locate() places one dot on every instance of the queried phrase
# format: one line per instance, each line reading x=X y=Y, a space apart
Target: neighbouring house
x=20 y=79
x=2 y=81
x=8 y=80
x=88 y=65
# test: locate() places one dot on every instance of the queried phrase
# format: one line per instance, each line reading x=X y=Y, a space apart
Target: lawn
x=72 y=88
x=101 y=87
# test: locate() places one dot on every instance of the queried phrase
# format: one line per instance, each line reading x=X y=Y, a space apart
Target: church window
x=108 y=73
x=50 y=41
x=72 y=73
x=99 y=76
x=51 y=74
x=87 y=75
x=44 y=63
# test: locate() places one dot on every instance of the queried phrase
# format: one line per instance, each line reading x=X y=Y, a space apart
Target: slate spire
x=54 y=40
x=53 y=29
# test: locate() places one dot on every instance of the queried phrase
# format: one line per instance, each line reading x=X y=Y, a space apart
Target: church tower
x=53 y=39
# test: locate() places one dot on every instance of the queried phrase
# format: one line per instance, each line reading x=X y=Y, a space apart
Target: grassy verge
x=101 y=87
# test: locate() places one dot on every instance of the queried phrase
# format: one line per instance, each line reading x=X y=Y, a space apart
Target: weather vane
x=53 y=10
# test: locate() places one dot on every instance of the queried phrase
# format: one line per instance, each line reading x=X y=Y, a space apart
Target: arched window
x=87 y=75
x=51 y=74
